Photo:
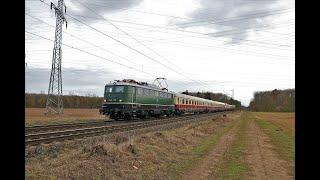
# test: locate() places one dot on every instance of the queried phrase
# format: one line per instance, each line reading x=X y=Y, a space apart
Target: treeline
x=69 y=101
x=73 y=101
x=274 y=101
x=215 y=97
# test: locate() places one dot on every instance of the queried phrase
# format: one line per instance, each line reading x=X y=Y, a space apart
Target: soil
x=263 y=161
x=208 y=164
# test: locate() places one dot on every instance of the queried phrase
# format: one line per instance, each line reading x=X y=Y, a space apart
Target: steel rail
x=54 y=127
x=33 y=139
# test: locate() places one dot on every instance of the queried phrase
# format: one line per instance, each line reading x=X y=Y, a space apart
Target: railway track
x=52 y=127
x=35 y=135
x=66 y=126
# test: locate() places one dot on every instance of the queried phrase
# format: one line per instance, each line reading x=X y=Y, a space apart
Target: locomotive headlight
x=120 y=100
x=104 y=100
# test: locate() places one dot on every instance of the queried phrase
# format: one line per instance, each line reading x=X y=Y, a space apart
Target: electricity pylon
x=54 y=102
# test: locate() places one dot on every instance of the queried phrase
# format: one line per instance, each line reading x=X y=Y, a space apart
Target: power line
x=129 y=67
x=222 y=48
x=91 y=53
x=176 y=29
x=140 y=43
x=128 y=46
x=182 y=30
x=205 y=36
x=138 y=11
x=233 y=50
x=146 y=12
x=99 y=31
x=88 y=42
x=236 y=18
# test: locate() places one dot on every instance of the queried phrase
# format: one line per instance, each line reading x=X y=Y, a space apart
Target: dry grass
x=36 y=116
x=148 y=156
x=280 y=128
x=286 y=121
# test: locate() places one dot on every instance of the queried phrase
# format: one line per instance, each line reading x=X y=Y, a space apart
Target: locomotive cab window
x=108 y=89
x=119 y=89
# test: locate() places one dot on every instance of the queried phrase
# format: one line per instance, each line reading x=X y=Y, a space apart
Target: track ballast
x=52 y=133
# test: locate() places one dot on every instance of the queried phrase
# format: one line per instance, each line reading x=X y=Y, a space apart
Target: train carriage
x=190 y=104
x=127 y=99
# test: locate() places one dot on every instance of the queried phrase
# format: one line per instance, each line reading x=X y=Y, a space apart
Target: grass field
x=280 y=128
x=36 y=116
x=243 y=145
x=286 y=121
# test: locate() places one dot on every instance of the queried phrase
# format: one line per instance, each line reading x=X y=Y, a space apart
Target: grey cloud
x=37 y=79
x=86 y=80
x=101 y=7
x=231 y=16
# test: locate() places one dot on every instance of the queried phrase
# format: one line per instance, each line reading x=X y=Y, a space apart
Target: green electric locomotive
x=127 y=99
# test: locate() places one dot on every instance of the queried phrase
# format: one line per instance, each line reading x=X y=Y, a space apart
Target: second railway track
x=78 y=130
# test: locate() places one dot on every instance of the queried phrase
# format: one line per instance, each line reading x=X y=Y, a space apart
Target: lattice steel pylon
x=54 y=104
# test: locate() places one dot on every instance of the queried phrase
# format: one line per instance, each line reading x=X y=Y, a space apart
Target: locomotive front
x=117 y=100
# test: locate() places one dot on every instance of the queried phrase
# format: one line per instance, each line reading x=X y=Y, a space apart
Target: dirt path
x=263 y=161
x=207 y=165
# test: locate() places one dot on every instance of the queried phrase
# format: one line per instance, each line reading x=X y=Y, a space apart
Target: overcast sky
x=198 y=45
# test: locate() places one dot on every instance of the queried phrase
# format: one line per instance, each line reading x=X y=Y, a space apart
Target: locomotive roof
x=137 y=85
